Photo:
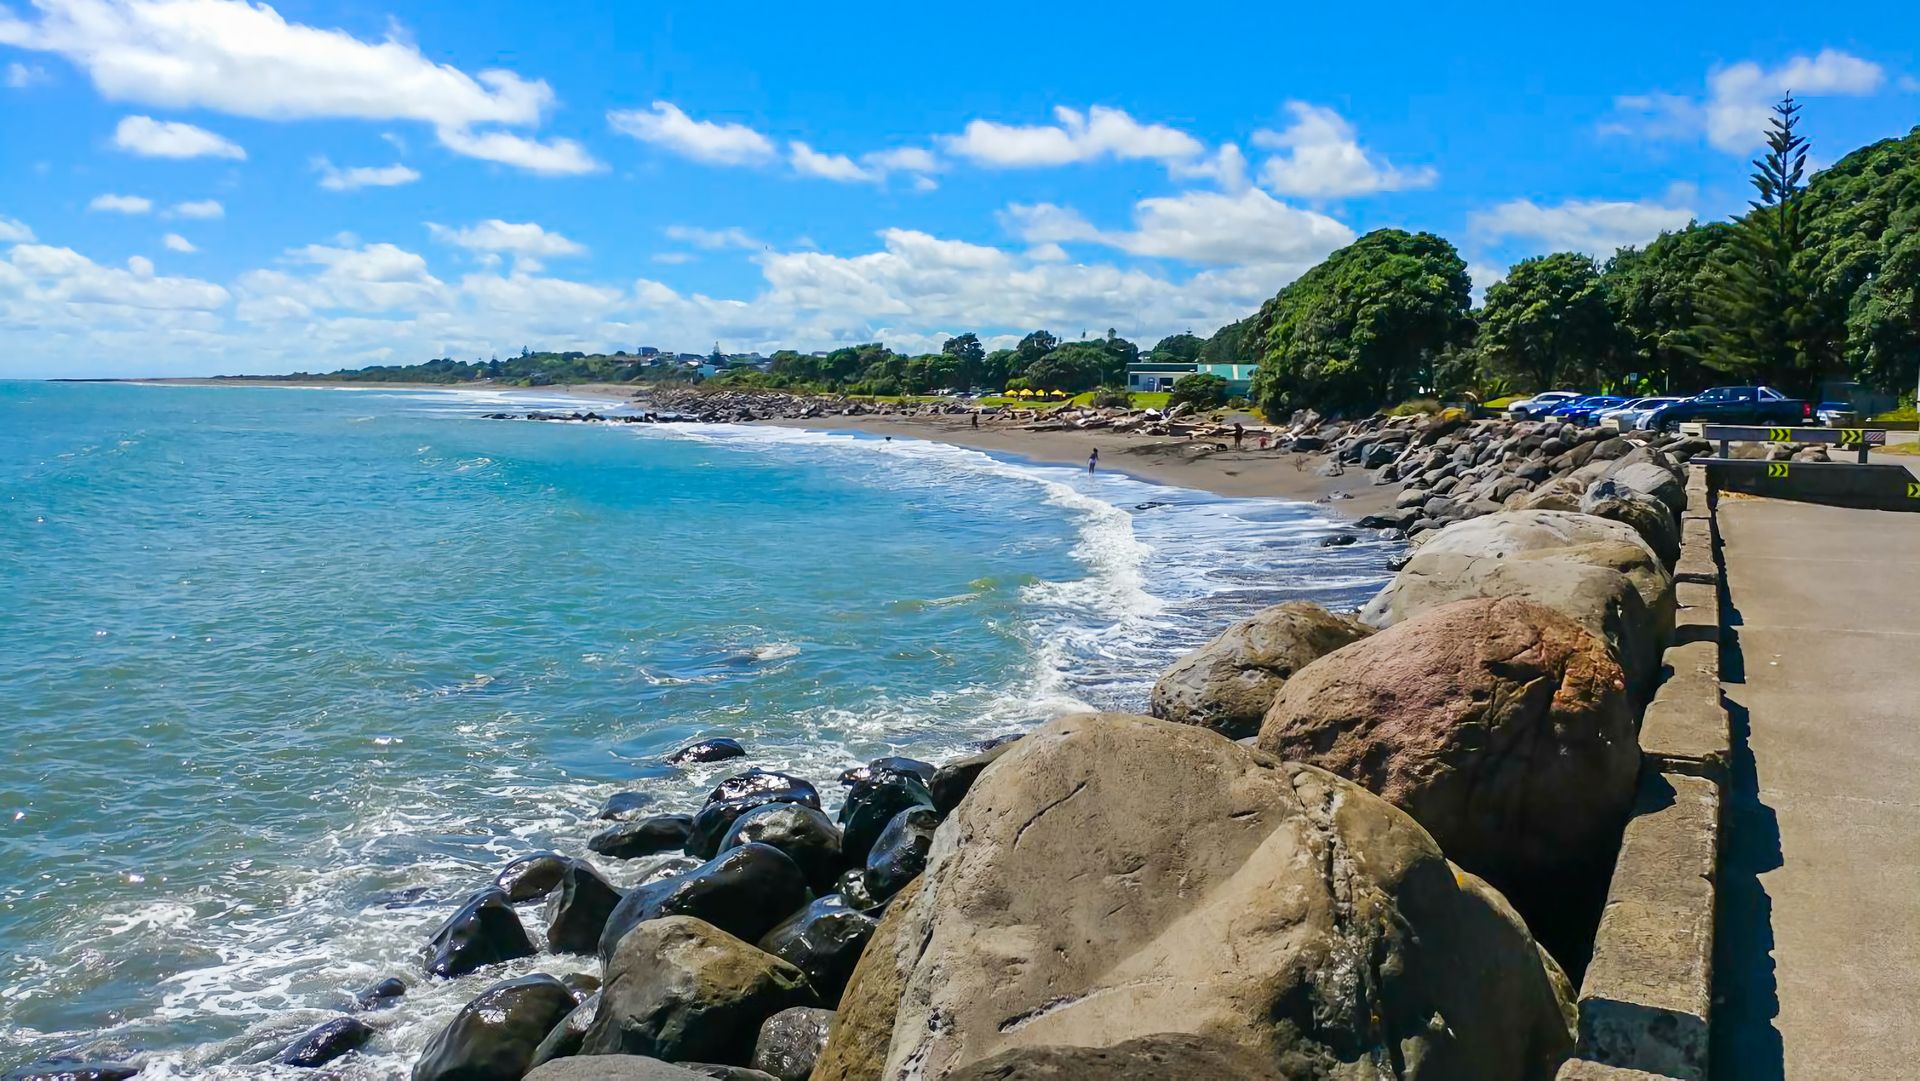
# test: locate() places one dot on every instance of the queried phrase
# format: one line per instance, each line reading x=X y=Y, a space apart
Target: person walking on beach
x=976 y=422
x=1093 y=459
x=1239 y=433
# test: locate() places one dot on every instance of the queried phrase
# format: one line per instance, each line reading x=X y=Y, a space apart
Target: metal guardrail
x=1857 y=438
x=1842 y=484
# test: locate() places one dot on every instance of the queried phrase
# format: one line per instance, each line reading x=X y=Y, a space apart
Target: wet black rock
x=896 y=764
x=824 y=941
x=531 y=877
x=807 y=836
x=71 y=1069
x=578 y=912
x=744 y=892
x=485 y=931
x=722 y=1072
x=708 y=750
x=1340 y=540
x=644 y=837
x=790 y=1042
x=378 y=996
x=494 y=1037
x=852 y=889
x=900 y=854
x=565 y=1039
x=871 y=804
x=624 y=805
x=323 y=1043
x=671 y=867
x=952 y=779
x=581 y=984
x=739 y=794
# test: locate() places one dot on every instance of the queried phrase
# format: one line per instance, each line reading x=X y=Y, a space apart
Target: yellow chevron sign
x=1776 y=470
x=1913 y=490
x=1852 y=437
x=1779 y=435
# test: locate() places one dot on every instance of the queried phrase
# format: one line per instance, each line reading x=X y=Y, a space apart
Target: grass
x=1502 y=403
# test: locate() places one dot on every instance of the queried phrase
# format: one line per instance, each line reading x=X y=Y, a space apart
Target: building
x=1161 y=375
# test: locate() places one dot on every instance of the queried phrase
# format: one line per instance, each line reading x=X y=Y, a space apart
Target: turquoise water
x=284 y=672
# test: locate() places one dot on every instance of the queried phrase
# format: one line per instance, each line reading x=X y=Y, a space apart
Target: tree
x=1767 y=326
x=1549 y=322
x=1862 y=218
x=1662 y=297
x=1177 y=347
x=1362 y=329
x=1073 y=367
x=1201 y=390
x=970 y=357
x=1228 y=344
x=1034 y=346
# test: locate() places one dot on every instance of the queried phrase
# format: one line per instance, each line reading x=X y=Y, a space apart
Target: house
x=1161 y=375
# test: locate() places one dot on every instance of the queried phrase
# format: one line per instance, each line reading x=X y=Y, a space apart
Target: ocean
x=284 y=673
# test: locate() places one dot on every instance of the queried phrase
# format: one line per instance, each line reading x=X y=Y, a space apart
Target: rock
x=721 y=1072
x=896 y=764
x=378 y=996
x=952 y=779
x=980 y=745
x=325 y=1042
x=681 y=989
x=1503 y=534
x=1647 y=515
x=824 y=941
x=853 y=888
x=71 y=1069
x=790 y=1042
x=1654 y=480
x=1410 y=498
x=806 y=835
x=581 y=985
x=1266 y=906
x=485 y=931
x=708 y=750
x=744 y=892
x=624 y=805
x=1171 y=1056
x=578 y=912
x=1561 y=495
x=736 y=796
x=566 y=1037
x=645 y=837
x=1340 y=540
x=1227 y=684
x=614 y=1068
x=494 y=1037
x=531 y=877
x=870 y=805
x=1610 y=448
x=900 y=853
x=1500 y=725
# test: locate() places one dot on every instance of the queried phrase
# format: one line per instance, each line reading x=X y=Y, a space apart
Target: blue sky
x=199 y=186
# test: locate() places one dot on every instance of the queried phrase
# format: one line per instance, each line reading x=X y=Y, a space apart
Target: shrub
x=1112 y=397
x=1202 y=391
x=1413 y=406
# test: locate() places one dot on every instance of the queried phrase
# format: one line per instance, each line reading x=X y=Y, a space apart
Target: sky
x=192 y=187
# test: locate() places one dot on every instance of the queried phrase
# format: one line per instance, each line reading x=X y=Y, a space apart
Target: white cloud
x=351 y=278
x=1593 y=226
x=1199 y=226
x=176 y=242
x=525 y=240
x=673 y=258
x=1739 y=100
x=809 y=162
x=1101 y=132
x=715 y=142
x=1227 y=167
x=905 y=159
x=140 y=265
x=122 y=204
x=712 y=239
x=14 y=232
x=20 y=76
x=554 y=157
x=1322 y=159
x=150 y=138
x=246 y=59
x=64 y=276
x=334 y=178
x=198 y=209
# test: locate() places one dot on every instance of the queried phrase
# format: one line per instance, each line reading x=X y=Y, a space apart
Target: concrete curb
x=1646 y=1001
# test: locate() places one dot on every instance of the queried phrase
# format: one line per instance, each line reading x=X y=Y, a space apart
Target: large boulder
x=900 y=854
x=531 y=877
x=494 y=1037
x=739 y=794
x=577 y=914
x=744 y=892
x=790 y=1042
x=953 y=778
x=873 y=803
x=1227 y=684
x=1648 y=516
x=805 y=834
x=1499 y=724
x=683 y=990
x=824 y=941
x=614 y=1068
x=1653 y=473
x=484 y=931
x=642 y=837
x=1615 y=588
x=1266 y=907
x=1172 y=1056
x=1514 y=531
x=325 y=1042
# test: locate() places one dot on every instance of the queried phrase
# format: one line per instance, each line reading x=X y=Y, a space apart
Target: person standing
x=1093 y=459
x=1239 y=433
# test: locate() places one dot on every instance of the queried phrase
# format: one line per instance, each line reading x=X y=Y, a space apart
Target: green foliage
x=1177 y=347
x=1549 y=322
x=1362 y=328
x=1073 y=367
x=1415 y=407
x=1662 y=297
x=1033 y=347
x=1200 y=390
x=1110 y=398
x=1228 y=344
x=1863 y=258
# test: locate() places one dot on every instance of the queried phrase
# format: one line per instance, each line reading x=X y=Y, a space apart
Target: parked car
x=1836 y=414
x=1540 y=404
x=1579 y=413
x=1601 y=416
x=1733 y=405
x=1634 y=414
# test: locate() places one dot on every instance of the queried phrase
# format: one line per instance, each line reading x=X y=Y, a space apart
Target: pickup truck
x=1733 y=405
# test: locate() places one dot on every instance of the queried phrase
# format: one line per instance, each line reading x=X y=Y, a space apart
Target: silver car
x=1634 y=414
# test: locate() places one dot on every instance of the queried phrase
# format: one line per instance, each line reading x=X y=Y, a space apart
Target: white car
x=1622 y=418
x=1540 y=404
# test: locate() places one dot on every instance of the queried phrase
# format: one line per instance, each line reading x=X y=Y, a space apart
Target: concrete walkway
x=1818 y=959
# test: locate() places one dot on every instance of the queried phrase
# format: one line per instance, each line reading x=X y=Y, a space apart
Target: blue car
x=1580 y=411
